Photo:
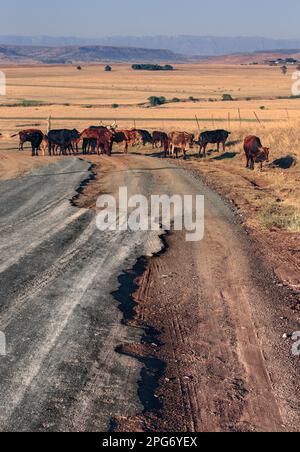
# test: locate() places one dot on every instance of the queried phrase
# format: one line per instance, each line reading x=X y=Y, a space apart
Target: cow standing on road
x=35 y=138
x=23 y=135
x=103 y=137
x=255 y=152
x=63 y=139
x=159 y=139
x=180 y=140
x=212 y=137
x=143 y=136
x=125 y=136
x=89 y=146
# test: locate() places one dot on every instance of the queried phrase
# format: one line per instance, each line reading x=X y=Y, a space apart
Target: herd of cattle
x=100 y=140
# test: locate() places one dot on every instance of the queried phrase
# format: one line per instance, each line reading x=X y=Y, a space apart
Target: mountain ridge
x=188 y=45
x=83 y=54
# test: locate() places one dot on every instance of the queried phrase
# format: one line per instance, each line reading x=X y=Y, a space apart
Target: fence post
x=240 y=117
x=49 y=123
x=259 y=121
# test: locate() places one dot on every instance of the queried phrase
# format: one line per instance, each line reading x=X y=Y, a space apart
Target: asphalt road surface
x=62 y=321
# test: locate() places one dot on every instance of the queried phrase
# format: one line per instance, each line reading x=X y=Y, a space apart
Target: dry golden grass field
x=262 y=105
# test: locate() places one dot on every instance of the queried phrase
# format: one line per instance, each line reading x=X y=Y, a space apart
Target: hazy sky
x=97 y=18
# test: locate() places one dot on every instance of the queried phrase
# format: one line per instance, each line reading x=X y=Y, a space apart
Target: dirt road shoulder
x=220 y=316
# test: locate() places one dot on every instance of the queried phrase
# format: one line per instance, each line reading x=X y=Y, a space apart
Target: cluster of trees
x=152 y=67
x=155 y=101
x=160 y=100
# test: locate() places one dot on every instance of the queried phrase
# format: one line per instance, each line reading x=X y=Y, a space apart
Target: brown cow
x=44 y=145
x=104 y=139
x=180 y=140
x=23 y=135
x=255 y=152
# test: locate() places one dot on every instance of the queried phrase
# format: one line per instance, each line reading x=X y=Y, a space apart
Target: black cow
x=62 y=138
x=35 y=138
x=212 y=137
x=159 y=139
x=144 y=136
x=89 y=145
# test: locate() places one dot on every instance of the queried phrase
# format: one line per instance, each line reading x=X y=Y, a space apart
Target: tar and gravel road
x=59 y=310
x=61 y=322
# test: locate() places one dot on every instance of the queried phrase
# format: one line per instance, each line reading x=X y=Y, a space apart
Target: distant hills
x=148 y=49
x=182 y=44
x=19 y=54
x=267 y=57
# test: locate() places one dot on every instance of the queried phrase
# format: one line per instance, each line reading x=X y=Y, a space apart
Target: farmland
x=90 y=93
x=261 y=106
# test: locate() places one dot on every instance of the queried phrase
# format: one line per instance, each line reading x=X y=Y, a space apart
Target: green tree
x=155 y=101
x=227 y=97
x=152 y=67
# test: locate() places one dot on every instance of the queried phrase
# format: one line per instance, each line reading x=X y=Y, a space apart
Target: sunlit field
x=79 y=97
x=261 y=105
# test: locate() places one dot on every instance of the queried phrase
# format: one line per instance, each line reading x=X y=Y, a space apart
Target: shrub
x=108 y=68
x=31 y=103
x=152 y=67
x=227 y=97
x=168 y=67
x=155 y=101
x=175 y=99
x=115 y=106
